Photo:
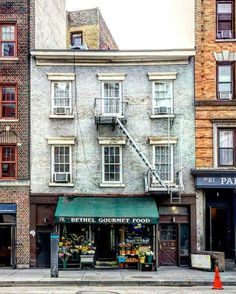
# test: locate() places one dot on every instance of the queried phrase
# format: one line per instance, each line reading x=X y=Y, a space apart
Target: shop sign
x=8 y=208
x=216 y=182
x=108 y=220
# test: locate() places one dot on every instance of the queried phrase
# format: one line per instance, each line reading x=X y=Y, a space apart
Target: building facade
x=17 y=34
x=113 y=153
x=215 y=126
x=87 y=29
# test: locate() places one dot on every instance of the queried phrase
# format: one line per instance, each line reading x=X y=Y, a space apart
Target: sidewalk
x=165 y=276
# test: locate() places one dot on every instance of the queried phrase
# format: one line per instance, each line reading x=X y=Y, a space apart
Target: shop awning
x=106 y=210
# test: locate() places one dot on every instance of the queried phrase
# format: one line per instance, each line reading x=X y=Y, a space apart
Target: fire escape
x=112 y=112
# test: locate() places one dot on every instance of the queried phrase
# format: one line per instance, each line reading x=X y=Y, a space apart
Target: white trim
x=162 y=76
x=111 y=76
x=162 y=116
x=61 y=76
x=112 y=140
x=121 y=166
x=111 y=185
x=9 y=58
x=62 y=116
x=171 y=82
x=61 y=140
x=69 y=185
x=155 y=140
x=120 y=98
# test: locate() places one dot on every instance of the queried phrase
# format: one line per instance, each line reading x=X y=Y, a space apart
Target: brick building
x=19 y=32
x=87 y=29
x=215 y=171
x=116 y=148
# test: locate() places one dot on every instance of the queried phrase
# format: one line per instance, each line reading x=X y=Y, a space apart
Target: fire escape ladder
x=175 y=197
x=140 y=153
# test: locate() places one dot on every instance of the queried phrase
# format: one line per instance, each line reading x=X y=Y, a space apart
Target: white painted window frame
x=154 y=97
x=52 y=162
x=120 y=97
x=53 y=106
x=121 y=165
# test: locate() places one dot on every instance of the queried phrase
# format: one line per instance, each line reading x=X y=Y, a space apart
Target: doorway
x=43 y=249
x=105 y=242
x=5 y=246
x=168 y=244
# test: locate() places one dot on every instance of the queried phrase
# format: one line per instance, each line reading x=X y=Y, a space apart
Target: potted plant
x=149 y=255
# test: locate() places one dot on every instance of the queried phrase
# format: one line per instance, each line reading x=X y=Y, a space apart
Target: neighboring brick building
x=84 y=153
x=17 y=20
x=87 y=28
x=215 y=125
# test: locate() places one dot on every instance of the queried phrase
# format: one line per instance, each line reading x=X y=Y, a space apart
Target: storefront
x=7 y=233
x=118 y=231
x=217 y=190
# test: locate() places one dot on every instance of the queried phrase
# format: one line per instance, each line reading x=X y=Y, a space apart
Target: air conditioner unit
x=227 y=95
x=162 y=110
x=61 y=177
x=225 y=34
x=60 y=110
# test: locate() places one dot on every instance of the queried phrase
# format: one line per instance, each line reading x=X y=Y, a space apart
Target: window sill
x=162 y=116
x=70 y=185
x=9 y=120
x=9 y=58
x=112 y=185
x=62 y=116
x=225 y=40
x=14 y=183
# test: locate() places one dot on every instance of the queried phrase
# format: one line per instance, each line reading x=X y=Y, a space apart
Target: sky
x=149 y=24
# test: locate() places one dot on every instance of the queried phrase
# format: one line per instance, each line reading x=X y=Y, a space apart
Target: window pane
x=163 y=162
x=224 y=73
x=226 y=138
x=224 y=87
x=9 y=110
x=224 y=8
x=8 y=93
x=184 y=239
x=8 y=154
x=163 y=90
x=226 y=157
x=112 y=163
x=8 y=170
x=8 y=49
x=8 y=33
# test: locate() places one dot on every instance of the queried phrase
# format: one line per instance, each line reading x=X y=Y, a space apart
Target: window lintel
x=61 y=140
x=111 y=76
x=162 y=76
x=61 y=76
x=155 y=140
x=112 y=140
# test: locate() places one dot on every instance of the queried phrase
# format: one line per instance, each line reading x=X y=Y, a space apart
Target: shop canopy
x=106 y=210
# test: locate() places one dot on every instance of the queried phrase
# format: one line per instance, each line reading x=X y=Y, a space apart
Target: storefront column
x=33 y=250
x=234 y=220
x=156 y=240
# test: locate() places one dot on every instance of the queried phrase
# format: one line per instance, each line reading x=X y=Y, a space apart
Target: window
x=163 y=158
x=162 y=97
x=61 y=98
x=8 y=162
x=225 y=81
x=111 y=97
x=8 y=40
x=226 y=150
x=76 y=39
x=225 y=29
x=8 y=101
x=112 y=167
x=61 y=161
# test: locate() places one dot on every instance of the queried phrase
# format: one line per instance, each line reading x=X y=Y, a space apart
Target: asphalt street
x=114 y=290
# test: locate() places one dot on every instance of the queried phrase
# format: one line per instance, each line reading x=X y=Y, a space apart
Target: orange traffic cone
x=217 y=282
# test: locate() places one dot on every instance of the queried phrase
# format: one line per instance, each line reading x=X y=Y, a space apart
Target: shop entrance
x=105 y=241
x=168 y=244
x=43 y=249
x=219 y=223
x=5 y=246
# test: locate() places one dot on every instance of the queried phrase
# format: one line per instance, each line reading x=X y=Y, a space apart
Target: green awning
x=106 y=210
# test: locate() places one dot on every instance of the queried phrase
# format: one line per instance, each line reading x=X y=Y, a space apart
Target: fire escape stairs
x=140 y=153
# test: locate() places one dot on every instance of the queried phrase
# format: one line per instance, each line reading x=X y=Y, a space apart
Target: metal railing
x=109 y=107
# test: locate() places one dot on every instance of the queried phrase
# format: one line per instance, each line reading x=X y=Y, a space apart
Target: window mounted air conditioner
x=61 y=177
x=225 y=95
x=162 y=110
x=60 y=110
x=225 y=34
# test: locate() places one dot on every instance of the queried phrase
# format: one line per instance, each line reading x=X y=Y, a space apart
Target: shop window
x=225 y=20
x=111 y=97
x=61 y=98
x=170 y=210
x=112 y=164
x=162 y=97
x=226 y=147
x=8 y=101
x=61 y=164
x=8 y=162
x=225 y=81
x=163 y=161
x=8 y=40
